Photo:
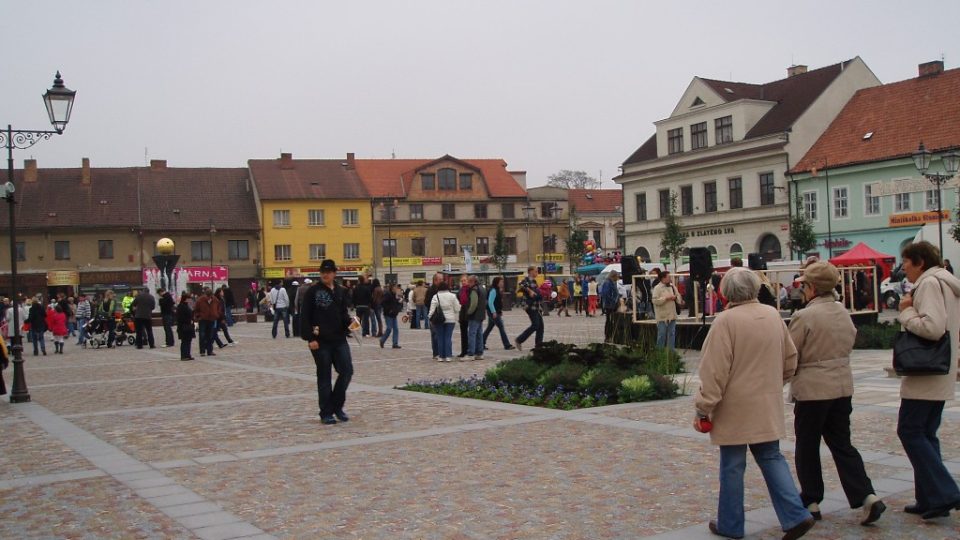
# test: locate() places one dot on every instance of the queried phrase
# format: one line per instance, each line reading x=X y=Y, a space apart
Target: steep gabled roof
x=897 y=117
x=792 y=97
x=191 y=198
x=306 y=179
x=595 y=200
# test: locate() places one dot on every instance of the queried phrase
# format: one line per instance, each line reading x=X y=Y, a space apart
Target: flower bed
x=876 y=336
x=562 y=376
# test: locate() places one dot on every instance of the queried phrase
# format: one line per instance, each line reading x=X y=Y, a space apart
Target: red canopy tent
x=864 y=255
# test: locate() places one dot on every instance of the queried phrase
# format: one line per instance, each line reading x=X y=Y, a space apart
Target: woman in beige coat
x=747 y=358
x=932 y=309
x=823 y=390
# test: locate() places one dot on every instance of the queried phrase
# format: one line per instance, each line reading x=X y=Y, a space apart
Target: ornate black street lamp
x=951 y=162
x=213 y=231
x=59 y=103
x=387 y=212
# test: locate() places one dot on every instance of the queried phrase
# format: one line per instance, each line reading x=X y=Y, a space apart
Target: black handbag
x=914 y=355
x=438 y=318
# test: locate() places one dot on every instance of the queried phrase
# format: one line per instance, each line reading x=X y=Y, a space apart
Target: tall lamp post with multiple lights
x=59 y=102
x=387 y=213
x=213 y=231
x=951 y=162
x=529 y=213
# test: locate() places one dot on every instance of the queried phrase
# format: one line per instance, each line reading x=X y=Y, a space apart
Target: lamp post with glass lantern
x=528 y=214
x=213 y=231
x=951 y=162
x=388 y=212
x=59 y=103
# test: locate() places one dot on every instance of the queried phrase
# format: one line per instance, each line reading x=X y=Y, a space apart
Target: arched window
x=713 y=252
x=447 y=179
x=664 y=256
x=736 y=250
x=642 y=254
x=769 y=247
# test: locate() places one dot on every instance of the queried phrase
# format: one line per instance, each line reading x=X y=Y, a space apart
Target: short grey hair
x=740 y=285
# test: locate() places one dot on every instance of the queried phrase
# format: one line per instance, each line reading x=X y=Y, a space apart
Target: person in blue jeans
x=666 y=301
x=747 y=358
x=495 y=313
x=531 y=300
x=37 y=317
x=392 y=306
x=447 y=303
x=280 y=301
x=476 y=313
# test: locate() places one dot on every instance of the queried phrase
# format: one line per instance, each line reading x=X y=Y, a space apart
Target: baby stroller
x=97 y=332
x=126 y=331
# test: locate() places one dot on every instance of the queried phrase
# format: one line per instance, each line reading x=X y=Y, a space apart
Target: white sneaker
x=233 y=343
x=448 y=360
x=437 y=359
x=478 y=357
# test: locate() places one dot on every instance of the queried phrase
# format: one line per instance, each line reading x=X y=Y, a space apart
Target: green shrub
x=603 y=378
x=625 y=357
x=665 y=361
x=591 y=355
x=523 y=371
x=663 y=387
x=551 y=353
x=636 y=388
x=876 y=336
x=566 y=374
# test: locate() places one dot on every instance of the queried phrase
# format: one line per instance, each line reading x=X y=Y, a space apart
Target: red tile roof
x=899 y=115
x=792 y=95
x=393 y=177
x=595 y=200
x=58 y=199
x=306 y=179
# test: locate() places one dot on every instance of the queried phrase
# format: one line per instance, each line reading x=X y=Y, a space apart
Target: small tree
x=573 y=180
x=673 y=239
x=955 y=230
x=802 y=237
x=501 y=252
x=575 y=240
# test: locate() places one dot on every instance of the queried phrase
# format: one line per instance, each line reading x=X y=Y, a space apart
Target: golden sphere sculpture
x=165 y=246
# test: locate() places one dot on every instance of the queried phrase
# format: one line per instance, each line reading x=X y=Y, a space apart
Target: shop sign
x=836 y=243
x=714 y=231
x=403 y=261
x=62 y=278
x=905 y=185
x=916 y=218
x=407 y=234
x=550 y=257
x=198 y=274
x=432 y=261
x=274 y=273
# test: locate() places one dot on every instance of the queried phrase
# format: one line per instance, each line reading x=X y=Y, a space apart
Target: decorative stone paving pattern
x=117 y=395
x=27 y=450
x=131 y=370
x=171 y=435
x=85 y=509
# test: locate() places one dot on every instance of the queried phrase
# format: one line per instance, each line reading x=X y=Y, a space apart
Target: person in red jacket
x=57 y=323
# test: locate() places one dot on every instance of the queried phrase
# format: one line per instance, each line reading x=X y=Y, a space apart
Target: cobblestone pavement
x=136 y=444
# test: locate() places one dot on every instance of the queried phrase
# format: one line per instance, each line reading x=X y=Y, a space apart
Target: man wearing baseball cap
x=324 y=325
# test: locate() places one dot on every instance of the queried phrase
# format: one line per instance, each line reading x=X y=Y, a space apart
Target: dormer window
x=697 y=102
x=429 y=181
x=724 y=129
x=675 y=141
x=447 y=180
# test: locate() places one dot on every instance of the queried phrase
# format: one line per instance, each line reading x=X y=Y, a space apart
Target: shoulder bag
x=914 y=355
x=438 y=317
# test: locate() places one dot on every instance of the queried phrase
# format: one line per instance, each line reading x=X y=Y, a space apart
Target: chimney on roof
x=351 y=160
x=29 y=170
x=158 y=164
x=796 y=70
x=85 y=171
x=286 y=160
x=927 y=69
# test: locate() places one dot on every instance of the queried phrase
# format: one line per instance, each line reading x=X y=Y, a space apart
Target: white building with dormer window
x=724 y=151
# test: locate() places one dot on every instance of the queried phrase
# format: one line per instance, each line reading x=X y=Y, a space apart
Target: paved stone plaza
x=136 y=444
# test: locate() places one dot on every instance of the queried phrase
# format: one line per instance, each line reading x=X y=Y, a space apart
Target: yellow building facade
x=311 y=210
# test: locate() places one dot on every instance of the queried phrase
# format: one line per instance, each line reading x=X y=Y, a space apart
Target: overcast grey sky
x=546 y=85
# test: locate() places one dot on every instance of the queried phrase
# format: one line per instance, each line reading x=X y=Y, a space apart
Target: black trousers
x=464 y=336
x=337 y=355
x=828 y=419
x=144 y=328
x=536 y=327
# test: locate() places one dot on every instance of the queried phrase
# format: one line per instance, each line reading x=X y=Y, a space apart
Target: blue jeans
x=36 y=337
x=667 y=334
x=376 y=320
x=475 y=338
x=445 y=339
x=783 y=492
x=281 y=313
x=536 y=326
x=917 y=428
x=392 y=331
x=82 y=329
x=420 y=317
x=336 y=355
x=229 y=316
x=498 y=323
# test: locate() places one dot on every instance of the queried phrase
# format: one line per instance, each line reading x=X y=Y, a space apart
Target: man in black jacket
x=363 y=301
x=167 y=305
x=431 y=292
x=325 y=326
x=142 y=308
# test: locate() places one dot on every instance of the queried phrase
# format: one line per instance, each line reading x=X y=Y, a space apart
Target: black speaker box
x=701 y=264
x=755 y=262
x=629 y=267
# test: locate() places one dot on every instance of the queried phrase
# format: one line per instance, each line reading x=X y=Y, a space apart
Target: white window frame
x=316 y=212
x=347 y=255
x=930 y=196
x=866 y=201
x=897 y=209
x=834 y=199
x=281 y=219
x=317 y=252
x=816 y=204
x=348 y=215
x=282 y=252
